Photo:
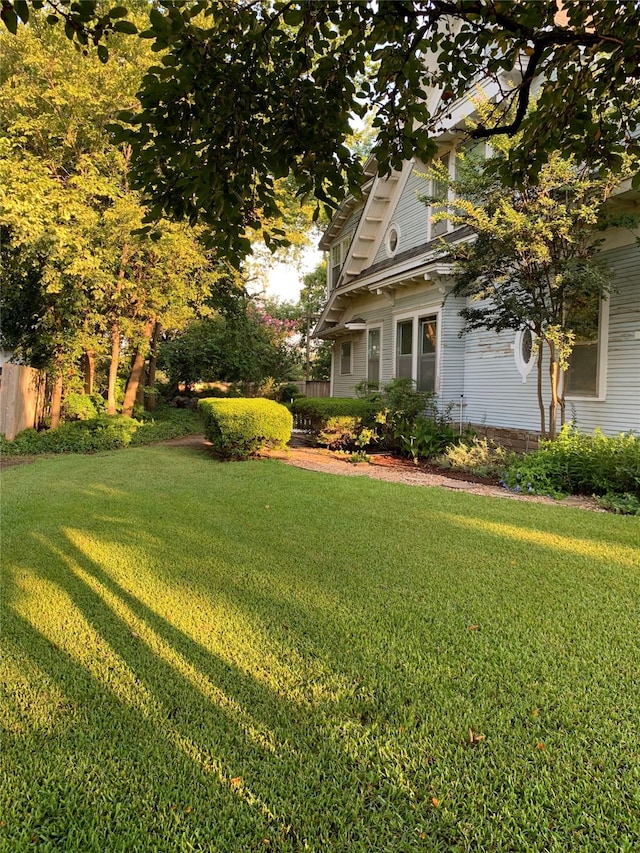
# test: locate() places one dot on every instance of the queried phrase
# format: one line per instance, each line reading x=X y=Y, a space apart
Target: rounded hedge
x=239 y=427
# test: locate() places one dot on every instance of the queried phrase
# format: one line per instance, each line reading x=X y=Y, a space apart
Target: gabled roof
x=348 y=205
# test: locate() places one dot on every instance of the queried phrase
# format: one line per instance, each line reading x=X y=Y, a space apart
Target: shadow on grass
x=206 y=689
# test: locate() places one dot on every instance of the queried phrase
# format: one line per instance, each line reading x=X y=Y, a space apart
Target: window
x=392 y=240
x=524 y=351
x=373 y=355
x=582 y=379
x=345 y=357
x=440 y=190
x=338 y=255
x=417 y=348
x=427 y=353
x=404 y=349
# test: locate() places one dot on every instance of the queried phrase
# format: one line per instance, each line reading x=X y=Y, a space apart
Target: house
x=390 y=313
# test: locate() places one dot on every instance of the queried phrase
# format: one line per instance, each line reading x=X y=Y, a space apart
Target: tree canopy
x=247 y=92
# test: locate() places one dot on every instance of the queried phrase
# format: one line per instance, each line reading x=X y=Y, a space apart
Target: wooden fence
x=313 y=388
x=21 y=398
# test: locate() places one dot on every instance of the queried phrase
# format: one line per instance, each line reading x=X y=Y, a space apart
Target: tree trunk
x=151 y=371
x=56 y=401
x=137 y=372
x=113 y=368
x=554 y=373
x=543 y=427
x=89 y=371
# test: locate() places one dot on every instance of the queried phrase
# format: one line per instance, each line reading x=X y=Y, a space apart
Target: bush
x=288 y=392
x=314 y=412
x=576 y=463
x=346 y=433
x=477 y=456
x=404 y=402
x=102 y=433
x=88 y=436
x=422 y=437
x=78 y=407
x=620 y=504
x=238 y=428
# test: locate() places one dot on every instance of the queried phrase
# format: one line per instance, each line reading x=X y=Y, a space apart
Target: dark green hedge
x=239 y=427
x=315 y=412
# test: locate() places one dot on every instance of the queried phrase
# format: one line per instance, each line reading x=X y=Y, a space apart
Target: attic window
x=392 y=240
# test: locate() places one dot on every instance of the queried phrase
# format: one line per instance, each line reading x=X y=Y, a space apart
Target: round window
x=392 y=240
x=524 y=350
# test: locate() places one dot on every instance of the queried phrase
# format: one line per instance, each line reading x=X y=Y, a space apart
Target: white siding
x=497 y=396
x=344 y=385
x=620 y=411
x=411 y=215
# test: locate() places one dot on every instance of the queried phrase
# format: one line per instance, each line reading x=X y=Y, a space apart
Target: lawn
x=200 y=656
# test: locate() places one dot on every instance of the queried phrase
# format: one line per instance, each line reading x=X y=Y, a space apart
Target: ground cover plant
x=580 y=463
x=203 y=656
x=104 y=433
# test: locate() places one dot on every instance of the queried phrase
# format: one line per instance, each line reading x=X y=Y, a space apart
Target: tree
x=241 y=344
x=533 y=263
x=79 y=277
x=312 y=298
x=251 y=91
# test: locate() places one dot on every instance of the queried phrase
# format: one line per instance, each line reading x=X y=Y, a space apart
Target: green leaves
x=254 y=91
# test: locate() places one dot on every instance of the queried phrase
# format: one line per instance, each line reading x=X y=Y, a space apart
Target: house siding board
x=411 y=215
x=497 y=396
x=452 y=363
x=344 y=385
x=621 y=409
x=494 y=392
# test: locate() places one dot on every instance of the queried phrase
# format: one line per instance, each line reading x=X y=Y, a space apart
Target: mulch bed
x=400 y=463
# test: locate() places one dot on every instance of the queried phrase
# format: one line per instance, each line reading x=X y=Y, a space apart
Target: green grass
x=239 y=657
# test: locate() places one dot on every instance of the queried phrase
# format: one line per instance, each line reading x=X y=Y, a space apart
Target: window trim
x=394 y=228
x=415 y=315
x=523 y=367
x=603 y=359
x=339 y=250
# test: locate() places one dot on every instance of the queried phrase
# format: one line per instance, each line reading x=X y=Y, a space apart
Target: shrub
x=88 y=436
x=315 y=412
x=288 y=392
x=346 y=433
x=477 y=456
x=102 y=433
x=576 y=463
x=78 y=407
x=621 y=504
x=240 y=427
x=403 y=401
x=423 y=437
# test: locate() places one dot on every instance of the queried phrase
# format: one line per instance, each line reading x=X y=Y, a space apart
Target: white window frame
x=374 y=328
x=337 y=256
x=415 y=316
x=525 y=367
x=603 y=357
x=394 y=228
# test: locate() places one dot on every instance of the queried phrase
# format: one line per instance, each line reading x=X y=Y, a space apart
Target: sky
x=285 y=280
